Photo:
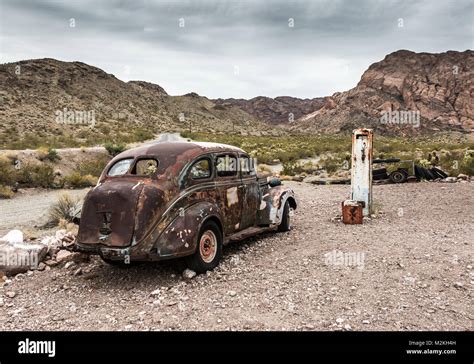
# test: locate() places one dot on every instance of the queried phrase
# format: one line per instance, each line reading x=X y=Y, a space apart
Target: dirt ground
x=409 y=268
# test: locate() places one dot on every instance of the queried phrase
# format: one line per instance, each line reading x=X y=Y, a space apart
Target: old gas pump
x=361 y=173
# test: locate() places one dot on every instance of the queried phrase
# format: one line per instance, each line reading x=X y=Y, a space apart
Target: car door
x=230 y=191
x=250 y=189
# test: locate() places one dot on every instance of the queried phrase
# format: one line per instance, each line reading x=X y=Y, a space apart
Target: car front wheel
x=209 y=249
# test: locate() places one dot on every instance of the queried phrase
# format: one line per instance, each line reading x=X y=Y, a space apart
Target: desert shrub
x=76 y=180
x=5 y=192
x=142 y=134
x=332 y=164
x=93 y=167
x=30 y=175
x=52 y=155
x=7 y=171
x=114 y=149
x=65 y=208
x=467 y=165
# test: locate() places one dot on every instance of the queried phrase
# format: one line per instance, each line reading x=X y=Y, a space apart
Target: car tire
x=208 y=250
x=285 y=224
x=398 y=177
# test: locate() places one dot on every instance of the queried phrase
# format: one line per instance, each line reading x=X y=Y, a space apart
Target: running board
x=247 y=233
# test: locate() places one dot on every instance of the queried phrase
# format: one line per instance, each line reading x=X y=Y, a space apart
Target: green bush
x=52 y=155
x=114 y=149
x=35 y=176
x=467 y=165
x=7 y=172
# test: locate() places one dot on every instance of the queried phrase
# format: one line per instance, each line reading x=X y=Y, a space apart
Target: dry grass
x=64 y=210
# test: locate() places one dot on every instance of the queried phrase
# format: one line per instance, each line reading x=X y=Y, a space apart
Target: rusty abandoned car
x=180 y=199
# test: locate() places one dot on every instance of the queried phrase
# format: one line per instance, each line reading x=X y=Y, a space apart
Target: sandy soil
x=410 y=268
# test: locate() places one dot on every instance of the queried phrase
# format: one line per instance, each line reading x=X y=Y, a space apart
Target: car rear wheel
x=285 y=224
x=209 y=249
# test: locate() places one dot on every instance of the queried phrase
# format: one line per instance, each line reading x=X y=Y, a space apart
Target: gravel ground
x=410 y=268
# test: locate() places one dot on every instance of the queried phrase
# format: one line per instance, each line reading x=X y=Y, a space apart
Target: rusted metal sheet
x=361 y=172
x=159 y=216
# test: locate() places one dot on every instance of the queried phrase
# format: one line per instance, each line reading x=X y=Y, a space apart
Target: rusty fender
x=179 y=238
x=276 y=199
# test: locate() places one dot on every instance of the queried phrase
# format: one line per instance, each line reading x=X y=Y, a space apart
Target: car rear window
x=120 y=167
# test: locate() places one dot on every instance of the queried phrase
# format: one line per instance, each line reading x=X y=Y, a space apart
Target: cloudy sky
x=239 y=48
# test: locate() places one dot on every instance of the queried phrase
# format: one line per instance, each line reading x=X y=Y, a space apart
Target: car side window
x=226 y=165
x=201 y=169
x=246 y=166
x=145 y=167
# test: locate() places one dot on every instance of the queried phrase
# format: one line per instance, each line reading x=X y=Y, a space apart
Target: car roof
x=192 y=149
x=173 y=156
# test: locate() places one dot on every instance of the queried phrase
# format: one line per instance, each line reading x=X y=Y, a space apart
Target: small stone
x=340 y=320
x=156 y=292
x=232 y=293
x=365 y=322
x=78 y=271
x=10 y=294
x=458 y=285
x=19 y=276
x=41 y=266
x=63 y=256
x=347 y=327
x=189 y=274
x=69 y=265
x=50 y=263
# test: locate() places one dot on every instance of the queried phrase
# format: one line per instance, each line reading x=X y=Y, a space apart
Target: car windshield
x=120 y=167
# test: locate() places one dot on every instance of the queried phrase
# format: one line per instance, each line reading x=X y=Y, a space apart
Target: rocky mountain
x=406 y=93
x=280 y=110
x=73 y=101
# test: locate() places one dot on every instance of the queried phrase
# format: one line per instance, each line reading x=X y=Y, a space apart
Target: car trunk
x=108 y=214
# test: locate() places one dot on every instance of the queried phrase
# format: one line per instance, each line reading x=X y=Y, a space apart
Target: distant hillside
x=438 y=86
x=72 y=103
x=281 y=110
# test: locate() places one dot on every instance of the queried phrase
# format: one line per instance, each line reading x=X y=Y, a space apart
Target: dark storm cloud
x=233 y=48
